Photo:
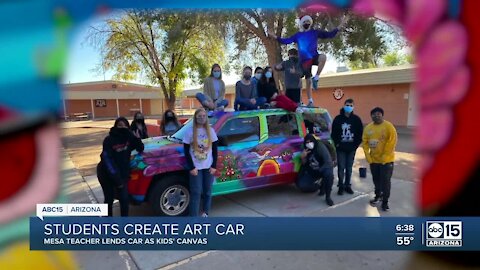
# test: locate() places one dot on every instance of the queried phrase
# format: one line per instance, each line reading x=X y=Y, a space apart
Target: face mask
x=217 y=74
x=258 y=76
x=348 y=109
x=247 y=77
x=306 y=26
x=310 y=145
x=268 y=74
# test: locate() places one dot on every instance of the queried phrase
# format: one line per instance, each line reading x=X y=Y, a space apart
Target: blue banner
x=319 y=233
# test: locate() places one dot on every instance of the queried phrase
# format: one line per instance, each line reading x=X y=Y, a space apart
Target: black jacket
x=347 y=132
x=318 y=159
x=115 y=156
x=266 y=90
x=143 y=131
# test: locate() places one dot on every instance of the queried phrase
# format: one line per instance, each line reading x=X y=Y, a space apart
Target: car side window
x=239 y=130
x=316 y=122
x=282 y=125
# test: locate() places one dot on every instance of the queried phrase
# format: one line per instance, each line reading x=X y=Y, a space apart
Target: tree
x=250 y=28
x=162 y=47
x=393 y=59
x=362 y=43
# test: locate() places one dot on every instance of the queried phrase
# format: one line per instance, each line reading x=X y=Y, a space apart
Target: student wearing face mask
x=113 y=171
x=307 y=43
x=347 y=130
x=213 y=96
x=200 y=148
x=257 y=75
x=316 y=163
x=267 y=88
x=138 y=127
x=293 y=75
x=378 y=141
x=169 y=123
x=246 y=98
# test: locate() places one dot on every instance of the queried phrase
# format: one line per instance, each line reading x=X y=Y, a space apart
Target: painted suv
x=256 y=149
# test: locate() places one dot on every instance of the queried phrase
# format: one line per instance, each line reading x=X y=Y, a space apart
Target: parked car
x=256 y=149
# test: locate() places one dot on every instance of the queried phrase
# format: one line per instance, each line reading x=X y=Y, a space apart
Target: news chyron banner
x=86 y=227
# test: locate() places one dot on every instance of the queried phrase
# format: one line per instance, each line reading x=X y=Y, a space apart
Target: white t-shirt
x=203 y=159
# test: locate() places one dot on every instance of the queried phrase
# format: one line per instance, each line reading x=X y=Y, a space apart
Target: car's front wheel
x=170 y=196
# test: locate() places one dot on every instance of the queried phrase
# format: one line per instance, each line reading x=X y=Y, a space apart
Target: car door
x=285 y=138
x=237 y=162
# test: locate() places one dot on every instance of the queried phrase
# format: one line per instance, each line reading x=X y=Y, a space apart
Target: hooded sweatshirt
x=318 y=159
x=115 y=157
x=347 y=132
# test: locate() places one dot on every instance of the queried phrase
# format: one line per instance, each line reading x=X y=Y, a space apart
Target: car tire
x=170 y=196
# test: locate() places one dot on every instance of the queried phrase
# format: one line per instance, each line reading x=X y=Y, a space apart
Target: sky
x=83 y=58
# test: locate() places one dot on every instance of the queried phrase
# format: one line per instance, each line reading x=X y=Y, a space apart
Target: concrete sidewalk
x=77 y=191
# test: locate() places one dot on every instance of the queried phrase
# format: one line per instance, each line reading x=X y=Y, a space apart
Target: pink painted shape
x=441 y=55
x=421 y=16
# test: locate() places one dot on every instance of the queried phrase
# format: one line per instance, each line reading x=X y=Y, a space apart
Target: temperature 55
x=404 y=240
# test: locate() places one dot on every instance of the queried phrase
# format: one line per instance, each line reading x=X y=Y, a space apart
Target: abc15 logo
x=449 y=230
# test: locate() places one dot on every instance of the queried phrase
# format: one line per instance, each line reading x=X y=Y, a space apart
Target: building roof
x=371 y=76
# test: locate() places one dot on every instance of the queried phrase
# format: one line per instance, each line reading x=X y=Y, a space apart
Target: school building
x=391 y=88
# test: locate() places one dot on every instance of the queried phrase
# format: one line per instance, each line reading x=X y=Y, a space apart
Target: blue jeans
x=245 y=104
x=306 y=182
x=345 y=164
x=200 y=188
x=202 y=98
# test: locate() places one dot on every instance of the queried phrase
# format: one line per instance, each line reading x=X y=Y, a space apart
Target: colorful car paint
x=257 y=149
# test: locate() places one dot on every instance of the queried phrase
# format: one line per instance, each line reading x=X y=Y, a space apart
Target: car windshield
x=178 y=136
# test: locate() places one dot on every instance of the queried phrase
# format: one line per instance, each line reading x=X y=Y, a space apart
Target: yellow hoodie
x=378 y=142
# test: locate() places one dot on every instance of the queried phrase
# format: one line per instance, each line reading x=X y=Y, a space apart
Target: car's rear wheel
x=170 y=196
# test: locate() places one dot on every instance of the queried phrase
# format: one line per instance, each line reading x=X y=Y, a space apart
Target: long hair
x=264 y=79
x=121 y=119
x=196 y=126
x=211 y=70
x=164 y=120
x=135 y=121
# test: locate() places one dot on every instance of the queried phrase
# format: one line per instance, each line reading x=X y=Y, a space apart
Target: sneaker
x=221 y=108
x=349 y=190
x=340 y=191
x=329 y=201
x=310 y=104
x=299 y=110
x=315 y=82
x=210 y=113
x=385 y=206
x=204 y=215
x=375 y=200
